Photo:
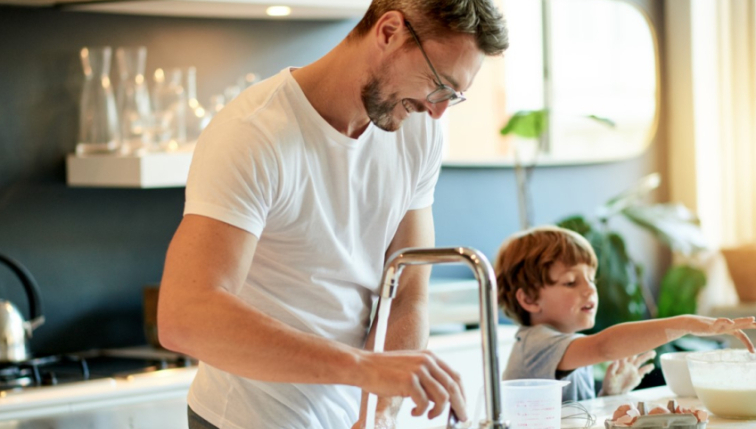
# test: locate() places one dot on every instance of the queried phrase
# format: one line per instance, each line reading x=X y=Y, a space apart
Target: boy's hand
x=626 y=374
x=711 y=326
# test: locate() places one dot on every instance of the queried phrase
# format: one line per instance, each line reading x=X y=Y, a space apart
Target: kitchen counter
x=147 y=414
x=604 y=407
x=157 y=400
x=110 y=403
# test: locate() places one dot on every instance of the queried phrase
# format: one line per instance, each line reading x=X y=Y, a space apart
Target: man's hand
x=419 y=375
x=624 y=375
x=710 y=326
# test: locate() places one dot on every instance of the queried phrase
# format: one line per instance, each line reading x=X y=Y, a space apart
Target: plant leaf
x=606 y=121
x=577 y=224
x=678 y=293
x=527 y=123
x=673 y=224
x=630 y=196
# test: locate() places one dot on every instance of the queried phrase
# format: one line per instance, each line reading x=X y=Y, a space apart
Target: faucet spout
x=484 y=273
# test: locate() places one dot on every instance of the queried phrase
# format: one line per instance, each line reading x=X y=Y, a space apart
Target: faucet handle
x=454 y=423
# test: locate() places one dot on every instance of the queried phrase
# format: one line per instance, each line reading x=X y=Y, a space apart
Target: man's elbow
x=171 y=333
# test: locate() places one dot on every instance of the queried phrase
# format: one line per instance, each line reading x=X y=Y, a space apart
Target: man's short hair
x=524 y=261
x=437 y=19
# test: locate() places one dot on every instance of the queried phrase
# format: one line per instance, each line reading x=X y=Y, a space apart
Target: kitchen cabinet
x=237 y=9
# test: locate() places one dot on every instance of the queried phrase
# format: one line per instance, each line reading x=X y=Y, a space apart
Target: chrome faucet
x=488 y=310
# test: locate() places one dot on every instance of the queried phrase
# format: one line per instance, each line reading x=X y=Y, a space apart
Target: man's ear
x=388 y=30
x=529 y=304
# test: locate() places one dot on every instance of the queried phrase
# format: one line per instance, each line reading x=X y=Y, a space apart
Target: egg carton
x=661 y=421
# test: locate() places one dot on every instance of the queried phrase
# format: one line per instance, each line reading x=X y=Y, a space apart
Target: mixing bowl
x=675 y=369
x=725 y=381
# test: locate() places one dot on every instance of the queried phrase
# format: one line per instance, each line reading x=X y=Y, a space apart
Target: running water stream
x=384 y=308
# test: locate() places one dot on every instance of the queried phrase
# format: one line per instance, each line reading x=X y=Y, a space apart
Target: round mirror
x=591 y=64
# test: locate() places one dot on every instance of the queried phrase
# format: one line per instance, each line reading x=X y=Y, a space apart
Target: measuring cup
x=532 y=403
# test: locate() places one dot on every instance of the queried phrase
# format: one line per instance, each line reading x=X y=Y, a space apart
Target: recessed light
x=278 y=11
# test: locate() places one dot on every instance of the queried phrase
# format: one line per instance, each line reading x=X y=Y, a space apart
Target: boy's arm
x=628 y=339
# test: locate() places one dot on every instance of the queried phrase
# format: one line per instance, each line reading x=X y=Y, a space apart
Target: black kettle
x=14 y=330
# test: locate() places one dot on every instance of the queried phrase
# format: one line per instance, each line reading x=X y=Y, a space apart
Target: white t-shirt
x=325 y=208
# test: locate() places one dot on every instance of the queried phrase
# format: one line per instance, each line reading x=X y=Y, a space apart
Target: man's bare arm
x=197 y=315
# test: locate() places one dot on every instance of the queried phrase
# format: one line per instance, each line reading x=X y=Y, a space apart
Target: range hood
x=239 y=9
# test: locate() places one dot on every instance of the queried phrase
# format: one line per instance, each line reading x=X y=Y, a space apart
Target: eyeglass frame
x=454 y=97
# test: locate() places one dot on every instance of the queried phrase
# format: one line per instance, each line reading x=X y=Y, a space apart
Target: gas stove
x=93 y=379
x=92 y=365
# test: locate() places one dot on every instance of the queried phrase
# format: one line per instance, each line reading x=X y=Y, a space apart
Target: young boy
x=546 y=284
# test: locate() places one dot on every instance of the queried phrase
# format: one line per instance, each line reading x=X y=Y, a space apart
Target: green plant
x=531 y=124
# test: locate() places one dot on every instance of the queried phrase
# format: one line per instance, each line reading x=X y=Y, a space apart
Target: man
x=298 y=192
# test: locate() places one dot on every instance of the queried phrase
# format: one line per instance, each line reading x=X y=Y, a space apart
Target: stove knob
x=49 y=379
x=185 y=361
x=163 y=364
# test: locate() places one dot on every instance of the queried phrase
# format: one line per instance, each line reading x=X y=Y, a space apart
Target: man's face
x=382 y=109
x=401 y=86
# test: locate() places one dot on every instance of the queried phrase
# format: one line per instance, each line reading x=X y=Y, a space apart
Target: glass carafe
x=195 y=113
x=133 y=100
x=170 y=101
x=98 y=120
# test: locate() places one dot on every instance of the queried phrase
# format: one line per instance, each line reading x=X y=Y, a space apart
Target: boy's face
x=569 y=305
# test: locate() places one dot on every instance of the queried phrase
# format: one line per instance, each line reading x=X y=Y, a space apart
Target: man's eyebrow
x=451 y=80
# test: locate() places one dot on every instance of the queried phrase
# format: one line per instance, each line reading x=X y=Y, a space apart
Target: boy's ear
x=529 y=304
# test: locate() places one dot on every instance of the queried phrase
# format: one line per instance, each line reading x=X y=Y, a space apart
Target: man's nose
x=436 y=110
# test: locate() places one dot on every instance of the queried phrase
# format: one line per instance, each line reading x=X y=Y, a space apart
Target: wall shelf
x=152 y=170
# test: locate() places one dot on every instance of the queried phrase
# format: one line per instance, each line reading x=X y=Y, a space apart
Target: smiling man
x=298 y=192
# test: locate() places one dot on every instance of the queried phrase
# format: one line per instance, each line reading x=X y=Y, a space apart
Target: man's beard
x=379 y=110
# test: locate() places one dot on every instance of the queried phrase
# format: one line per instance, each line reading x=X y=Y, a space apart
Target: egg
x=658 y=410
x=625 y=421
x=621 y=411
x=702 y=416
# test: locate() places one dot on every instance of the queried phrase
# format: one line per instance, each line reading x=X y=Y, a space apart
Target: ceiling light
x=278 y=11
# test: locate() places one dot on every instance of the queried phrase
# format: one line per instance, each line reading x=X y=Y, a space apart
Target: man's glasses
x=442 y=92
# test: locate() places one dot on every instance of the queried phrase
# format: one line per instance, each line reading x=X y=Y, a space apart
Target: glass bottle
x=133 y=100
x=98 y=117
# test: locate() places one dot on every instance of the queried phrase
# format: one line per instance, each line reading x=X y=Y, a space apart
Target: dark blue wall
x=92 y=250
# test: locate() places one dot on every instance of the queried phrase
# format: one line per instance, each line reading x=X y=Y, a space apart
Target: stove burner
x=60 y=369
x=33 y=372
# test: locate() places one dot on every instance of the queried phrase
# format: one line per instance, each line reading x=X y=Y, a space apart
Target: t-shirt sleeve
x=233 y=176
x=543 y=349
x=426 y=186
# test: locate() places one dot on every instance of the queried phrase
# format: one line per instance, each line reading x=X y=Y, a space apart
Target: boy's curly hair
x=524 y=261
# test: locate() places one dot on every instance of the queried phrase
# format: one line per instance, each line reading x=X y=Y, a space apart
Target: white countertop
x=157 y=400
x=152 y=387
x=604 y=407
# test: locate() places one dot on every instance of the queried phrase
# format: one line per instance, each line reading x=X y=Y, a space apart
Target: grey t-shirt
x=537 y=353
